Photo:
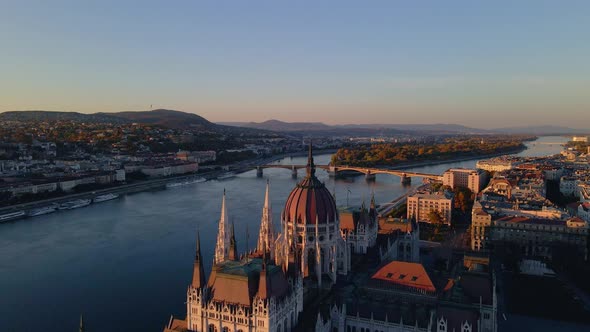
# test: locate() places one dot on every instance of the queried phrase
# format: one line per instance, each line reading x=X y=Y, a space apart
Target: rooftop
x=406 y=274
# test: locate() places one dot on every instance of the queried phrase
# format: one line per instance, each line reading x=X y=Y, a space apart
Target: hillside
x=166 y=118
x=542 y=130
x=27 y=116
x=276 y=125
x=357 y=129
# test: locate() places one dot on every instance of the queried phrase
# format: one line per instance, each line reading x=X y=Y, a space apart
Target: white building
x=580 y=139
x=462 y=177
x=568 y=185
x=421 y=204
x=496 y=164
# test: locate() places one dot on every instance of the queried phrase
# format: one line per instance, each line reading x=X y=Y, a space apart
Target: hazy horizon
x=482 y=65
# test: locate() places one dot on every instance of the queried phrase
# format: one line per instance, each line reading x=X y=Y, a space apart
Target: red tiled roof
x=406 y=274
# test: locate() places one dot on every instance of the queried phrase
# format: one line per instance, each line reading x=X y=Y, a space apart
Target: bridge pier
x=405 y=179
x=369 y=176
x=332 y=172
x=259 y=172
x=294 y=172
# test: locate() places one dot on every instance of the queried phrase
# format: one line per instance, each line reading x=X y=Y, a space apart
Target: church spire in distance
x=310 y=165
x=223 y=236
x=198 y=271
x=233 y=246
x=81 y=329
x=266 y=236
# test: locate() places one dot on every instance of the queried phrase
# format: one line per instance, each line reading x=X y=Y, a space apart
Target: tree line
x=390 y=154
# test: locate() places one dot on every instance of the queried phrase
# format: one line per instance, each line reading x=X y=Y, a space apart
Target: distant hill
x=356 y=129
x=161 y=117
x=438 y=128
x=541 y=130
x=166 y=118
x=60 y=116
x=276 y=125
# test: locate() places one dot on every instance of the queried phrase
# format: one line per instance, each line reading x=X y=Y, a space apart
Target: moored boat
x=11 y=216
x=41 y=211
x=103 y=198
x=226 y=176
x=78 y=203
x=184 y=183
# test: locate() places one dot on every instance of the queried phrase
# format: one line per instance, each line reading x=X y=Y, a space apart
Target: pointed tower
x=198 y=271
x=266 y=236
x=373 y=208
x=81 y=329
x=310 y=164
x=223 y=235
x=233 y=246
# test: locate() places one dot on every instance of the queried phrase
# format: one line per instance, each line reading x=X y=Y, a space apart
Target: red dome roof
x=310 y=201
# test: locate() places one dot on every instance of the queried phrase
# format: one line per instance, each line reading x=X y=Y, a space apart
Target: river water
x=126 y=264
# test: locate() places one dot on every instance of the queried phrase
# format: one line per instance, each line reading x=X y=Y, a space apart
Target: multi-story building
x=421 y=204
x=534 y=236
x=480 y=227
x=584 y=211
x=496 y=164
x=359 y=227
x=568 y=185
x=466 y=304
x=399 y=239
x=580 y=139
x=462 y=177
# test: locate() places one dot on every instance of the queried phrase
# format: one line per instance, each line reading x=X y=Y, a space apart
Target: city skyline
x=479 y=65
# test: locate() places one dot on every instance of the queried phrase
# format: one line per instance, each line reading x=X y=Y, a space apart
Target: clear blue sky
x=479 y=63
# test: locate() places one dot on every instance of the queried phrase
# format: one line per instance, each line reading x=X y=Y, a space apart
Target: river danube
x=126 y=264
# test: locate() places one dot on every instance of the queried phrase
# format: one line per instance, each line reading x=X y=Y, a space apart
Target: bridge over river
x=370 y=173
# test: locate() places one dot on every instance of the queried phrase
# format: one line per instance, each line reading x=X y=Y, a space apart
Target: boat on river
x=78 y=203
x=11 y=216
x=227 y=175
x=185 y=183
x=103 y=198
x=42 y=211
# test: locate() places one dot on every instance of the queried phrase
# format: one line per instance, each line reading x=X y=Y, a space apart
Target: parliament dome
x=310 y=201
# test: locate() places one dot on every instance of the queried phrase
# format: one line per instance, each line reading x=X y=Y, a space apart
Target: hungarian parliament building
x=335 y=270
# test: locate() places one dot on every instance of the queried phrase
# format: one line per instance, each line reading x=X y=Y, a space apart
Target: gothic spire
x=81 y=329
x=223 y=236
x=266 y=235
x=233 y=247
x=198 y=270
x=310 y=165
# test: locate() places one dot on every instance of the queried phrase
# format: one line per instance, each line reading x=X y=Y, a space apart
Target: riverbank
x=153 y=184
x=242 y=167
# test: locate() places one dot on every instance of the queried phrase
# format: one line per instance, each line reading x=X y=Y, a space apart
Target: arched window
x=225 y=329
x=212 y=328
x=466 y=327
x=279 y=328
x=442 y=325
